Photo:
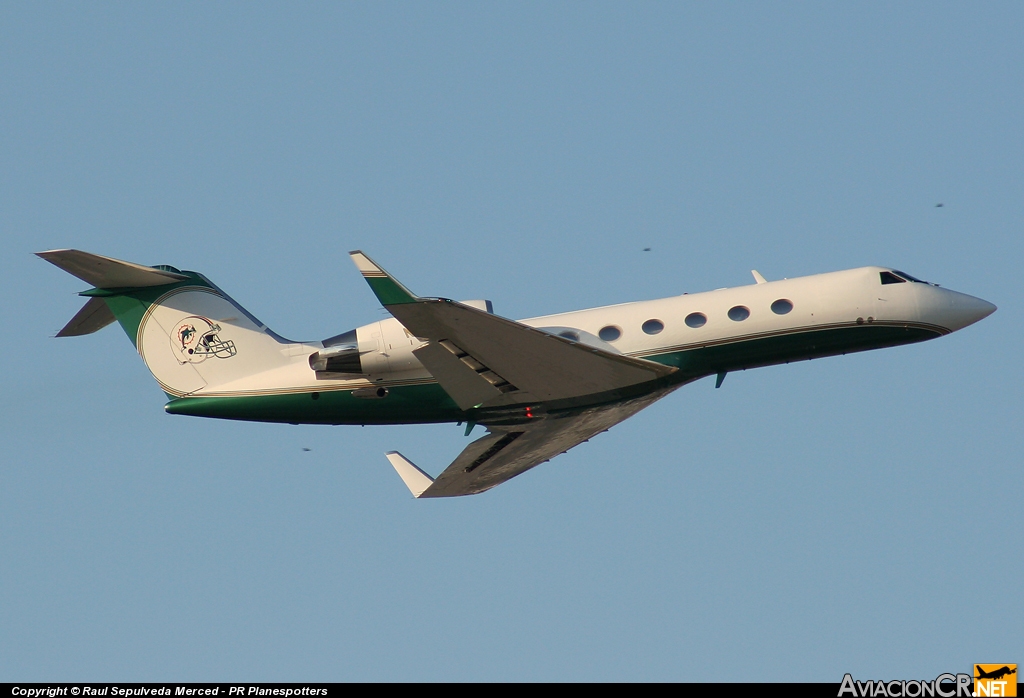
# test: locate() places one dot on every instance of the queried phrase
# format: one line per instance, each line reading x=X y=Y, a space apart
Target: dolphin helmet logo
x=195 y=338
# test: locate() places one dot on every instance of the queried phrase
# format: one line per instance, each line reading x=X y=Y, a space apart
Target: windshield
x=898 y=277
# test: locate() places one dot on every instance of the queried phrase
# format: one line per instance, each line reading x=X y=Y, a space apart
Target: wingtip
x=389 y=291
x=46 y=254
x=415 y=479
x=364 y=264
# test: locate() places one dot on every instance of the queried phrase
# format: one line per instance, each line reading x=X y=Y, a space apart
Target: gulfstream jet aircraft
x=539 y=386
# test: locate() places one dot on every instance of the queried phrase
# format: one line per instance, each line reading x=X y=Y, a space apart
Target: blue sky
x=852 y=514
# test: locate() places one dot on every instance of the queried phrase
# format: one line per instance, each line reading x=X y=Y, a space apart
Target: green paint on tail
x=129 y=305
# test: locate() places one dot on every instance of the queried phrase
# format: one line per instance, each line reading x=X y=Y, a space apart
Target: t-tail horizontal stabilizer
x=103 y=273
x=415 y=479
x=107 y=272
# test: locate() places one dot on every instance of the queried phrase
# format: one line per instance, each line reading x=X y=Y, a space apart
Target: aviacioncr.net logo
x=995 y=680
x=943 y=686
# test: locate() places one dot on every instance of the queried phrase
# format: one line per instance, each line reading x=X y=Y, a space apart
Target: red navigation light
x=529 y=412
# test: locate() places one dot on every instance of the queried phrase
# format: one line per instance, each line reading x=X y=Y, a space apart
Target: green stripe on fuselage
x=407 y=404
x=787 y=347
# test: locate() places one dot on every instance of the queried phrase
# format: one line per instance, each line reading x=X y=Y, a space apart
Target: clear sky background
x=855 y=514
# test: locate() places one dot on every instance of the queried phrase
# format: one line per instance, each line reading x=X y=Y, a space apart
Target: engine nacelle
x=337 y=359
x=341 y=354
x=383 y=347
x=371 y=350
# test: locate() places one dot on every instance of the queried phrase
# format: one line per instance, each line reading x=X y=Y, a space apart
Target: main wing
x=486 y=360
x=508 y=451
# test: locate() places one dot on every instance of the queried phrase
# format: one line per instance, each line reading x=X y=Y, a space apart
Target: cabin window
x=653 y=326
x=610 y=333
x=782 y=306
x=739 y=313
x=889 y=278
x=696 y=320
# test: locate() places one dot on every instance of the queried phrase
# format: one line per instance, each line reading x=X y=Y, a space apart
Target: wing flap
x=459 y=379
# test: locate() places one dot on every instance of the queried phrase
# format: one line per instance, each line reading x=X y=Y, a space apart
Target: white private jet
x=540 y=386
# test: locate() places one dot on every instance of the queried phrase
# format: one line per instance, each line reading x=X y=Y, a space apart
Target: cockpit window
x=898 y=277
x=908 y=277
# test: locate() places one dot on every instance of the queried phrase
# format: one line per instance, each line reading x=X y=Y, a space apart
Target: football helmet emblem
x=196 y=338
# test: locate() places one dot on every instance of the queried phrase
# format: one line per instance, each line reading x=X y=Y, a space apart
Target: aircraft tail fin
x=190 y=333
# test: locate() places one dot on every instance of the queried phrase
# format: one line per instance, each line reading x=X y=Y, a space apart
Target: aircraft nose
x=954 y=310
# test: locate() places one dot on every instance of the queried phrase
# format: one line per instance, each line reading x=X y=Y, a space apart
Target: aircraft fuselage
x=700 y=334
